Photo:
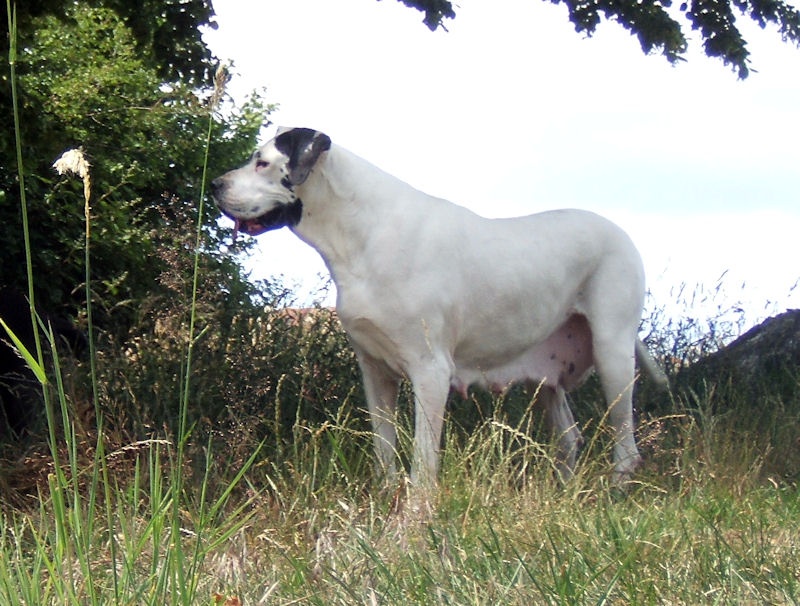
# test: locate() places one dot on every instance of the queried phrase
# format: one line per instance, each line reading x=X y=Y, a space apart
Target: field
x=268 y=497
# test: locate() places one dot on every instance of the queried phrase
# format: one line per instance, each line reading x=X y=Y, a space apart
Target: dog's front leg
x=431 y=386
x=381 y=387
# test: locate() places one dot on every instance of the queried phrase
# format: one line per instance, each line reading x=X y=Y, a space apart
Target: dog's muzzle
x=282 y=215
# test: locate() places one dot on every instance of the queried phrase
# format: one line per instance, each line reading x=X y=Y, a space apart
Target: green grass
x=702 y=523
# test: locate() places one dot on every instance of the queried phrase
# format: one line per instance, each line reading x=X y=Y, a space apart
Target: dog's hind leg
x=563 y=427
x=614 y=362
x=381 y=387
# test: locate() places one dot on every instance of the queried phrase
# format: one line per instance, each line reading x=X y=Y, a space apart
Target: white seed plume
x=221 y=79
x=74 y=162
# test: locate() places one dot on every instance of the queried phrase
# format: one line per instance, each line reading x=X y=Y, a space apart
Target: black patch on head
x=303 y=147
x=294 y=139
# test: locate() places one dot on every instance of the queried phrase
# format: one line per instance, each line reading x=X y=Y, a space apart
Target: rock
x=763 y=361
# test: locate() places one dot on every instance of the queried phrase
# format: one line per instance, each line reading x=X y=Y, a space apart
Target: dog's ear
x=303 y=146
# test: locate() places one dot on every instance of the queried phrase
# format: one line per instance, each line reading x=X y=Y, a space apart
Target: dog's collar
x=285 y=215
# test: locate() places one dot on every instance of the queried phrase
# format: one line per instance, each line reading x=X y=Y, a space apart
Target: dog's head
x=260 y=195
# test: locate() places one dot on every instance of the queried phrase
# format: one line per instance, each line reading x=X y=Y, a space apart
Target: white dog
x=431 y=292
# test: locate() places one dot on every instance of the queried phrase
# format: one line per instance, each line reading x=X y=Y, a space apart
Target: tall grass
x=703 y=524
x=697 y=528
x=100 y=537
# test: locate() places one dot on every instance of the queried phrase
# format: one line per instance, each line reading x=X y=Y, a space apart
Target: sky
x=511 y=112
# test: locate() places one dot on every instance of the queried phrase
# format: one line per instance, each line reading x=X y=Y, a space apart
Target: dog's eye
x=261 y=164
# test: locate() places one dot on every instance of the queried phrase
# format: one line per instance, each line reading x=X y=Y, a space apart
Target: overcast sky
x=511 y=112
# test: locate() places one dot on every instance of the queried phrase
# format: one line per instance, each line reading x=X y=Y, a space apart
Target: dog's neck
x=339 y=201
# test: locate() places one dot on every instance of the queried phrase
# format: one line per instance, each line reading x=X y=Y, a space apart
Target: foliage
x=659 y=27
x=436 y=11
x=256 y=368
x=86 y=82
x=166 y=32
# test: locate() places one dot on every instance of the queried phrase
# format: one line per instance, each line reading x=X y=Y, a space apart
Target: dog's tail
x=648 y=363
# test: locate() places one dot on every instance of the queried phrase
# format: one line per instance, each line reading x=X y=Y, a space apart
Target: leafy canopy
x=659 y=25
x=130 y=92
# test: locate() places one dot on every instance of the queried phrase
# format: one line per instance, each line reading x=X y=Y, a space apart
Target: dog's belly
x=564 y=358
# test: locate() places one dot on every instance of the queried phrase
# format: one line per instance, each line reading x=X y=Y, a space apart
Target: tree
x=165 y=32
x=128 y=86
x=657 y=23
